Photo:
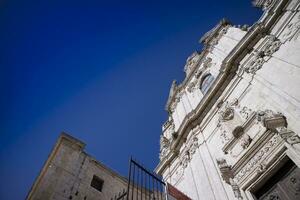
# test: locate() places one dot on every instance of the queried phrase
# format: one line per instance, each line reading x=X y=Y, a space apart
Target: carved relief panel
x=232 y=134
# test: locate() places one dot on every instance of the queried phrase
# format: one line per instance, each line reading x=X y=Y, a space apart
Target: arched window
x=206 y=83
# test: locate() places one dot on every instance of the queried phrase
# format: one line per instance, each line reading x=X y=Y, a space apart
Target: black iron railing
x=142 y=184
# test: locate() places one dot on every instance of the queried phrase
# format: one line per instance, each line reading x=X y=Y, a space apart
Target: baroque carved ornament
x=256 y=162
x=189 y=150
x=195 y=83
x=164 y=146
x=273 y=44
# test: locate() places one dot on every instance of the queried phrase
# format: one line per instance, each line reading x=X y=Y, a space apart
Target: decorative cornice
x=227 y=71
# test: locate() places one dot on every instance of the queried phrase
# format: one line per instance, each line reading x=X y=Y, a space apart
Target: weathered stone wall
x=68 y=173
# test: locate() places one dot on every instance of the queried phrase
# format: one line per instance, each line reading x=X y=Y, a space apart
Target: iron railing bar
x=132 y=183
x=151 y=174
x=137 y=190
x=141 y=184
x=129 y=175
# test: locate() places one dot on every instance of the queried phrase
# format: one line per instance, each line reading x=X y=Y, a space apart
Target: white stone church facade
x=234 y=122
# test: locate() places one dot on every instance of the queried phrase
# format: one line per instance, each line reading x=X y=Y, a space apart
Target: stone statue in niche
x=193 y=145
x=185 y=159
x=164 y=146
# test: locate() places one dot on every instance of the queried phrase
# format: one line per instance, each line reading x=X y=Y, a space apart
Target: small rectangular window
x=97 y=183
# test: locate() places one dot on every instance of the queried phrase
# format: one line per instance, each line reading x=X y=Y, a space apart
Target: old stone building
x=233 y=127
x=70 y=173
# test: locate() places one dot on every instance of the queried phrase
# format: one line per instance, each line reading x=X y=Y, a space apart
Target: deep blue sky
x=99 y=71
